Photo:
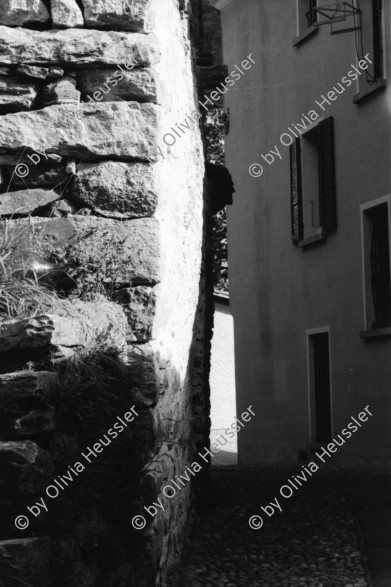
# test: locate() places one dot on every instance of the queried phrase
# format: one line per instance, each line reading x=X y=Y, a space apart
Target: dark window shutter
x=377 y=38
x=296 y=194
x=311 y=14
x=327 y=191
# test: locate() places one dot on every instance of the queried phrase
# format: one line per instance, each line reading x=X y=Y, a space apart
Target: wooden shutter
x=327 y=191
x=296 y=193
x=377 y=19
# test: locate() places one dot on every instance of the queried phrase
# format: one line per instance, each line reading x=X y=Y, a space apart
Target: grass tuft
x=22 y=295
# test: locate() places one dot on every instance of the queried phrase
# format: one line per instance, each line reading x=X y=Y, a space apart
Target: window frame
x=326 y=174
x=303 y=33
x=369 y=330
x=378 y=68
x=310 y=332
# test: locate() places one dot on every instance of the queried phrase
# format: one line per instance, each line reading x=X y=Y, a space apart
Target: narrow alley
x=326 y=535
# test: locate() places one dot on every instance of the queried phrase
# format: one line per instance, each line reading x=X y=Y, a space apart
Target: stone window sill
x=370 y=91
x=313 y=240
x=304 y=36
x=376 y=333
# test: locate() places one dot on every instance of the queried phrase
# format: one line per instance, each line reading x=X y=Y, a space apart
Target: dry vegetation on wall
x=214 y=137
x=89 y=390
x=88 y=271
x=89 y=395
x=21 y=293
x=37 y=273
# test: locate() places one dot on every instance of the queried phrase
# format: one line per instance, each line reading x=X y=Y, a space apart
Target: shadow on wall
x=74 y=442
x=85 y=444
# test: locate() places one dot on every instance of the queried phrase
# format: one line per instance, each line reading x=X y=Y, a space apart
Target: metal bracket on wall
x=338 y=12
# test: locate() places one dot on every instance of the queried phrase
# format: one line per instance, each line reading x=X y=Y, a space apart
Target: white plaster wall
x=222 y=382
x=222 y=375
x=181 y=188
x=277 y=291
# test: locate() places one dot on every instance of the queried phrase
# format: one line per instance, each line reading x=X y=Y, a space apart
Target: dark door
x=321 y=392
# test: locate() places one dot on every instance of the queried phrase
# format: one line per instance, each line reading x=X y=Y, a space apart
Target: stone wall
x=100 y=155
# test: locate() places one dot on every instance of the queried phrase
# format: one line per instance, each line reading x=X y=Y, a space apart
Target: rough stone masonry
x=71 y=162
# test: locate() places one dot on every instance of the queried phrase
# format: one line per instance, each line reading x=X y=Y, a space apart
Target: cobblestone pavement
x=315 y=541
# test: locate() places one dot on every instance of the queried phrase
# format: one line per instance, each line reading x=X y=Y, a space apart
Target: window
x=313 y=194
x=369 y=41
x=306 y=20
x=306 y=14
x=376 y=264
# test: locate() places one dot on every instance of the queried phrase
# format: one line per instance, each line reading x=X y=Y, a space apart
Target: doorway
x=319 y=382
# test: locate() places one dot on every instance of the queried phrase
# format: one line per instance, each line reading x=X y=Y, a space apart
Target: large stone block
x=136 y=242
x=123 y=15
x=106 y=321
x=26 y=385
x=75 y=46
x=31 y=557
x=90 y=321
x=137 y=246
x=114 y=85
x=139 y=306
x=112 y=130
x=24 y=202
x=22 y=12
x=25 y=468
x=66 y=14
x=32 y=71
x=12 y=361
x=41 y=331
x=117 y=190
x=35 y=421
x=24 y=398
x=16 y=94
